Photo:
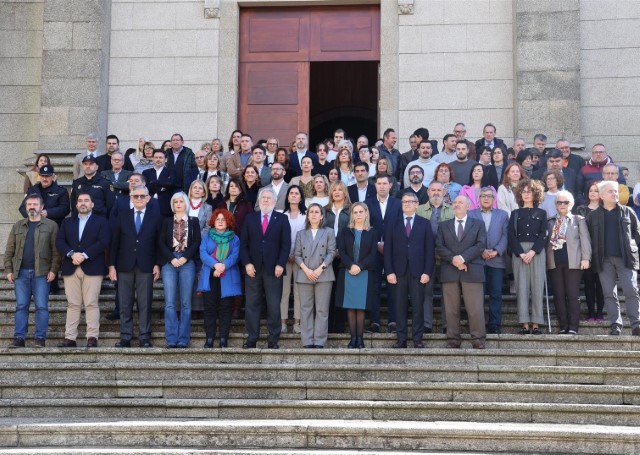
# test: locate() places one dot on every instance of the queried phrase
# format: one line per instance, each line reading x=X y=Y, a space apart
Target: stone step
x=276 y=436
x=376 y=391
x=194 y=451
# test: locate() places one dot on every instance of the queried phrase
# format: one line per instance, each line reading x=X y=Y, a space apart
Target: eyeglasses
x=409 y=202
x=562 y=202
x=199 y=157
x=272 y=143
x=486 y=196
x=138 y=196
x=415 y=173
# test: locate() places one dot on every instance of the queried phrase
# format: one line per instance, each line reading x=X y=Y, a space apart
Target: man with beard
x=416 y=177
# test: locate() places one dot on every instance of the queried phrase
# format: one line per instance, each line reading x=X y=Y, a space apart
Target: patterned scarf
x=180 y=235
x=222 y=240
x=559 y=233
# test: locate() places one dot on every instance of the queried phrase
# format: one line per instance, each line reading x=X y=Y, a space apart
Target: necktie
x=435 y=215
x=138 y=221
x=265 y=223
x=460 y=230
x=408 y=226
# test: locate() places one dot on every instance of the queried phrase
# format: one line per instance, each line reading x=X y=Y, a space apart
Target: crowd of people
x=253 y=226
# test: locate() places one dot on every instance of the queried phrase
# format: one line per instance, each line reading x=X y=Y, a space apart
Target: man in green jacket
x=32 y=261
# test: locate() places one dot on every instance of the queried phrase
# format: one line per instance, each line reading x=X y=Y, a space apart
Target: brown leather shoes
x=92 y=342
x=453 y=345
x=67 y=343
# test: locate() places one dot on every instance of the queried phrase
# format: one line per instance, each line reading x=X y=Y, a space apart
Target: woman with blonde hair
x=344 y=163
x=320 y=193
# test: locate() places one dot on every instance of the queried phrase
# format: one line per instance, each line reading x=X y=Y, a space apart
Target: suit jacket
x=123 y=204
x=204 y=214
x=265 y=251
x=294 y=163
x=578 y=242
x=353 y=192
x=165 y=240
x=282 y=197
x=165 y=186
x=315 y=252
x=120 y=185
x=96 y=237
x=497 y=237
x=415 y=253
x=104 y=162
x=497 y=142
x=393 y=212
x=186 y=162
x=129 y=249
x=473 y=243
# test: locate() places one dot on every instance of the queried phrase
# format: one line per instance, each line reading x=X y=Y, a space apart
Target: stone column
x=547 y=67
x=75 y=72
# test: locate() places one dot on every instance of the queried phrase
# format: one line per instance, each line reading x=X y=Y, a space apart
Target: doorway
x=312 y=69
x=343 y=95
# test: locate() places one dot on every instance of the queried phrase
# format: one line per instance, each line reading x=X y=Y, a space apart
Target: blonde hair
x=339 y=185
x=352 y=224
x=199 y=182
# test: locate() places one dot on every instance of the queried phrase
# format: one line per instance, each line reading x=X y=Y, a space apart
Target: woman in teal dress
x=357 y=246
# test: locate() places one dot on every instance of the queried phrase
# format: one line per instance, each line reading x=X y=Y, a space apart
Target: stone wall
x=21 y=26
x=163 y=72
x=456 y=64
x=610 y=77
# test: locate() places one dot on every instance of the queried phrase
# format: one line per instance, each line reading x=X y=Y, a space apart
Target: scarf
x=222 y=241
x=180 y=235
x=559 y=233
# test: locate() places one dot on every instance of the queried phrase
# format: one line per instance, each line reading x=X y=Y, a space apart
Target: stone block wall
x=21 y=25
x=610 y=78
x=163 y=72
x=456 y=64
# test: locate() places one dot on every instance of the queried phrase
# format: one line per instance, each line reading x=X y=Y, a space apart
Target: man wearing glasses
x=118 y=176
x=200 y=171
x=272 y=147
x=133 y=263
x=495 y=222
x=593 y=170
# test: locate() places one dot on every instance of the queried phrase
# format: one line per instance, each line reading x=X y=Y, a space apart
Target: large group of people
x=256 y=226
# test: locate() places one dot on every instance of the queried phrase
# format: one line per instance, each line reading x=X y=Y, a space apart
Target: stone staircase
x=523 y=394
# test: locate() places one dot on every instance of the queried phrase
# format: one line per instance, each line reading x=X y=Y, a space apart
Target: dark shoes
x=392 y=327
x=223 y=342
x=353 y=343
x=400 y=345
x=309 y=346
x=145 y=344
x=493 y=330
x=418 y=344
x=180 y=346
x=17 y=343
x=273 y=345
x=174 y=346
x=373 y=328
x=208 y=343
x=67 y=343
x=428 y=330
x=478 y=345
x=616 y=330
x=123 y=344
x=536 y=331
x=453 y=344
x=40 y=343
x=636 y=332
x=92 y=342
x=249 y=345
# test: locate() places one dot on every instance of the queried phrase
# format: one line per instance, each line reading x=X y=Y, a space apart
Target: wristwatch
x=70 y=253
x=324 y=267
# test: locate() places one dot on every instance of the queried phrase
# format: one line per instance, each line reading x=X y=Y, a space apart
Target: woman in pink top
x=472 y=189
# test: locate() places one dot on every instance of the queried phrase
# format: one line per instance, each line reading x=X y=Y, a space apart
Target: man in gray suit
x=118 y=176
x=495 y=222
x=460 y=244
x=278 y=186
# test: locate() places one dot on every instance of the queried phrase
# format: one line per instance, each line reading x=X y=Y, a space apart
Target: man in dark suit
x=383 y=211
x=133 y=262
x=181 y=159
x=113 y=146
x=295 y=157
x=409 y=258
x=96 y=185
x=573 y=181
x=362 y=189
x=489 y=138
x=495 y=222
x=118 y=176
x=264 y=250
x=162 y=182
x=82 y=241
x=460 y=243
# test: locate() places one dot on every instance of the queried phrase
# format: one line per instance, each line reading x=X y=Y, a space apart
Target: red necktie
x=265 y=223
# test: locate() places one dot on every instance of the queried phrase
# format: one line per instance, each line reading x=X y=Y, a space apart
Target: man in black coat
x=489 y=138
x=97 y=186
x=56 y=199
x=162 y=182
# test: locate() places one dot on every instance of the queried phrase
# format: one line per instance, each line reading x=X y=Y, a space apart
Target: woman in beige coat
x=568 y=255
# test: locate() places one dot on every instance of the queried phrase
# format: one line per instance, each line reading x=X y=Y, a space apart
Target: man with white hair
x=92 y=150
x=615 y=236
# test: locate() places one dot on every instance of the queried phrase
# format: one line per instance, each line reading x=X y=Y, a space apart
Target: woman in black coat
x=358 y=248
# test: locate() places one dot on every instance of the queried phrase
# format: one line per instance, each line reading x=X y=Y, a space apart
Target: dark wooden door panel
x=274 y=35
x=345 y=34
x=274 y=99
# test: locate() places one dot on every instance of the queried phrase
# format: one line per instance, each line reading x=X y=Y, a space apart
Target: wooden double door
x=277 y=46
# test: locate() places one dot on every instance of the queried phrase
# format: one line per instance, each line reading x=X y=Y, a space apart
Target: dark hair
x=144 y=181
x=257 y=146
x=251 y=166
x=113 y=136
x=554 y=153
x=40 y=155
x=522 y=155
x=159 y=151
x=383 y=176
x=301 y=206
x=246 y=135
x=423 y=133
x=286 y=157
x=558 y=175
x=322 y=212
x=462 y=142
x=163 y=144
x=536 y=188
x=484 y=148
x=489 y=125
x=361 y=164
x=177 y=134
x=237 y=182
x=84 y=193
x=540 y=137
x=416 y=166
x=231 y=138
x=34 y=196
x=505 y=174
x=228 y=217
x=473 y=168
x=387 y=131
x=447 y=136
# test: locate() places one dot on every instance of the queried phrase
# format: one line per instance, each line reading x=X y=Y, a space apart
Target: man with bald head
x=460 y=243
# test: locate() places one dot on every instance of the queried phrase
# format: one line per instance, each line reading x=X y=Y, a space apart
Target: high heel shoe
x=208 y=343
x=359 y=342
x=223 y=342
x=353 y=343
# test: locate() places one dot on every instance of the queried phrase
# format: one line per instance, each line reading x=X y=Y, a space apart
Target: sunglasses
x=138 y=196
x=562 y=202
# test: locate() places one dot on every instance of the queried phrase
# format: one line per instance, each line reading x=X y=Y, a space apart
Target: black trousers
x=406 y=287
x=566 y=296
x=216 y=308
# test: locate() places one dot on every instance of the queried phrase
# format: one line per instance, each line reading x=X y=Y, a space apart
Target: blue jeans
x=28 y=284
x=493 y=286
x=178 y=332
